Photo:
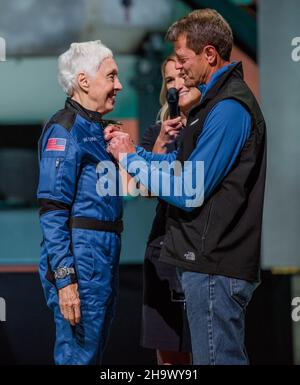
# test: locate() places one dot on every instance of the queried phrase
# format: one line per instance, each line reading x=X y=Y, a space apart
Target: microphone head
x=172 y=95
x=172 y=99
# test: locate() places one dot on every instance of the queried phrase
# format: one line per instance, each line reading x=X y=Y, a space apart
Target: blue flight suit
x=81 y=230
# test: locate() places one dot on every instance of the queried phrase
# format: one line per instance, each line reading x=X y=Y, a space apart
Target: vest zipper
x=206 y=226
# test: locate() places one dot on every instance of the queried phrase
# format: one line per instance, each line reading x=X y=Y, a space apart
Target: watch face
x=61 y=272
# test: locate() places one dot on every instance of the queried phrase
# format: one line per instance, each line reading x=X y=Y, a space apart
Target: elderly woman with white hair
x=81 y=227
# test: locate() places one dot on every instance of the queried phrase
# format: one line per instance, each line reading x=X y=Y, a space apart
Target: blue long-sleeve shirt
x=225 y=132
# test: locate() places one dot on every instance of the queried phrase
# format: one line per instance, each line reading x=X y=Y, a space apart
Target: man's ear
x=210 y=53
x=83 y=82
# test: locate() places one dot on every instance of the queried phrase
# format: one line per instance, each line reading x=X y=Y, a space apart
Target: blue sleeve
x=225 y=132
x=59 y=169
x=151 y=156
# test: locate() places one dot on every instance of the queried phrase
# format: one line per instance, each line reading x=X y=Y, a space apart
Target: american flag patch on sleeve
x=56 y=144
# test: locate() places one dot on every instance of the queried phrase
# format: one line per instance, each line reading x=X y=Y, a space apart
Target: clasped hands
x=120 y=143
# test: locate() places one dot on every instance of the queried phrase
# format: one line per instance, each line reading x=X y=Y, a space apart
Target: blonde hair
x=163 y=113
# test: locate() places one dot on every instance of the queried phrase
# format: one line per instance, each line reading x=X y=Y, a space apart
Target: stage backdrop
x=279 y=63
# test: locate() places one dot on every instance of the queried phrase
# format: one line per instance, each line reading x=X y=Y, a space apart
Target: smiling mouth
x=183 y=93
x=112 y=98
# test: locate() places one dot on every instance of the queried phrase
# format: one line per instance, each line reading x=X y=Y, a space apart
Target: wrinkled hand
x=109 y=130
x=119 y=144
x=69 y=303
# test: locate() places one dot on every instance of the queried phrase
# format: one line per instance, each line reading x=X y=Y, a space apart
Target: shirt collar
x=93 y=116
x=203 y=88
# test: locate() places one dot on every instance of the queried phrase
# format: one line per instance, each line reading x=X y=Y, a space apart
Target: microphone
x=172 y=99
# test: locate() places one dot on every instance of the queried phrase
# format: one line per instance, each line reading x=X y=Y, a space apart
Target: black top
x=158 y=229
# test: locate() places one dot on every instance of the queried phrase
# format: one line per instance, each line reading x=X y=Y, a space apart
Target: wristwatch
x=63 y=272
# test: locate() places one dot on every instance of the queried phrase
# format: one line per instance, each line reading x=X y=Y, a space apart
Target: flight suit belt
x=95 y=224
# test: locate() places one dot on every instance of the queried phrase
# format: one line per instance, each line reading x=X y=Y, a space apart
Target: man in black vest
x=216 y=245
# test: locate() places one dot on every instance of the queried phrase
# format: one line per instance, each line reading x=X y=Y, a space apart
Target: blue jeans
x=216 y=308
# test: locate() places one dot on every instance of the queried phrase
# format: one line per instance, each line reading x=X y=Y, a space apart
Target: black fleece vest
x=223 y=236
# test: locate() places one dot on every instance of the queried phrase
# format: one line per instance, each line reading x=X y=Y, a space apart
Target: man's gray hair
x=80 y=57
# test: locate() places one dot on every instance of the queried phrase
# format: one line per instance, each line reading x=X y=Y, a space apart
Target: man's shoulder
x=228 y=116
x=230 y=106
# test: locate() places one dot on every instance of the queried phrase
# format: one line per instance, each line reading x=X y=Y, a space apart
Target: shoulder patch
x=56 y=144
x=64 y=118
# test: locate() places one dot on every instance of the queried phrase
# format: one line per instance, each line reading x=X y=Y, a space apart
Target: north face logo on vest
x=190 y=256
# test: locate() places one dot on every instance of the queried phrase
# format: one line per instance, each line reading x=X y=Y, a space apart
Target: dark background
x=27 y=336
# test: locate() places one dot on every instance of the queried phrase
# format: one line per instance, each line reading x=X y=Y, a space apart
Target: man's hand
x=69 y=303
x=119 y=143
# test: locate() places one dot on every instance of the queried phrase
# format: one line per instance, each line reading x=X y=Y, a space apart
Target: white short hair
x=85 y=57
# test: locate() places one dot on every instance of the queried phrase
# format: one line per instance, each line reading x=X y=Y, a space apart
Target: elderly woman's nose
x=118 y=85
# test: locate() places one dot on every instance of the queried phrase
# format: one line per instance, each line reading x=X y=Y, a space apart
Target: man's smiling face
x=193 y=66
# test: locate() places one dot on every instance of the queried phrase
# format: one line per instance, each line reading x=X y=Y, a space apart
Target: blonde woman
x=164 y=323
